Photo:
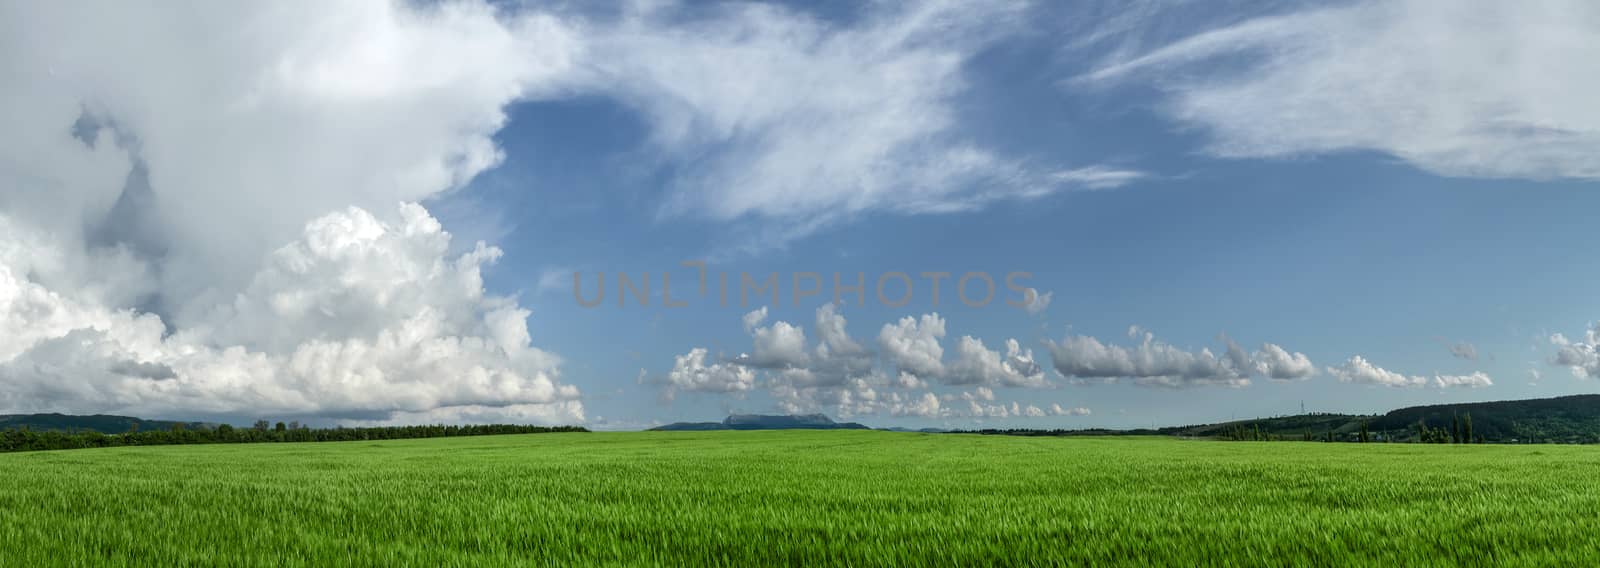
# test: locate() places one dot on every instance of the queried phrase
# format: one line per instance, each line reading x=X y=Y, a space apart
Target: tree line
x=1459 y=432
x=22 y=440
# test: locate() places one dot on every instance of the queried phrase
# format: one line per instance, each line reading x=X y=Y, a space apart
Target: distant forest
x=178 y=433
x=1561 y=420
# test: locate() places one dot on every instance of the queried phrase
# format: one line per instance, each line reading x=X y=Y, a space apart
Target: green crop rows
x=833 y=497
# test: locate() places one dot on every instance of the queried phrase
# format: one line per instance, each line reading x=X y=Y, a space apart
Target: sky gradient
x=372 y=213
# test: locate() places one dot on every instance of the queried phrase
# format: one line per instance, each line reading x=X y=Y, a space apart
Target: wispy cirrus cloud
x=1475 y=89
x=770 y=113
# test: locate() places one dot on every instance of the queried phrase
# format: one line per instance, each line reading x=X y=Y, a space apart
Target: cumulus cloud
x=1041 y=301
x=1582 y=356
x=214 y=231
x=912 y=344
x=1358 y=370
x=906 y=380
x=1058 y=410
x=840 y=375
x=860 y=399
x=976 y=364
x=1495 y=90
x=833 y=340
x=1156 y=363
x=980 y=403
x=836 y=373
x=1474 y=380
x=776 y=346
x=692 y=373
x=173 y=203
x=289 y=112
x=925 y=406
x=854 y=397
x=1275 y=362
x=360 y=318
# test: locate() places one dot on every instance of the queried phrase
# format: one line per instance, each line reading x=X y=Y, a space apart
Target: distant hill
x=765 y=422
x=1566 y=419
x=102 y=423
x=1318 y=424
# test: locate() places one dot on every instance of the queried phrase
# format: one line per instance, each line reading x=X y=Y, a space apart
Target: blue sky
x=1333 y=254
x=1380 y=204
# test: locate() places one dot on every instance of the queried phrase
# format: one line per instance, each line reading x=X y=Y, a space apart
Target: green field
x=833 y=497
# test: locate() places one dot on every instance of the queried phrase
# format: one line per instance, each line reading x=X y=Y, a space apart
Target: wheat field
x=791 y=497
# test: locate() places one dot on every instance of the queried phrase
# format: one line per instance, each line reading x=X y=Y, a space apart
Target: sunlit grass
x=837 y=497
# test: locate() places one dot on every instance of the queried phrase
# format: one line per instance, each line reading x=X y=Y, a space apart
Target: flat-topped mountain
x=766 y=422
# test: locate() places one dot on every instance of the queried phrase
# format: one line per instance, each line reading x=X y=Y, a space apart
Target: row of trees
x=1460 y=432
x=1254 y=433
x=26 y=440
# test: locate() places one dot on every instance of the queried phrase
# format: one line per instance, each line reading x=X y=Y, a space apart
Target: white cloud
x=780 y=345
x=841 y=376
x=1359 y=371
x=1041 y=301
x=150 y=184
x=1151 y=362
x=831 y=335
x=1058 y=410
x=976 y=364
x=1098 y=177
x=975 y=409
x=836 y=374
x=913 y=346
x=566 y=412
x=754 y=318
x=1155 y=363
x=909 y=381
x=360 y=318
x=779 y=115
x=1481 y=89
x=691 y=373
x=783 y=346
x=554 y=279
x=1274 y=362
x=289 y=111
x=1582 y=357
x=925 y=406
x=1475 y=380
x=1464 y=350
